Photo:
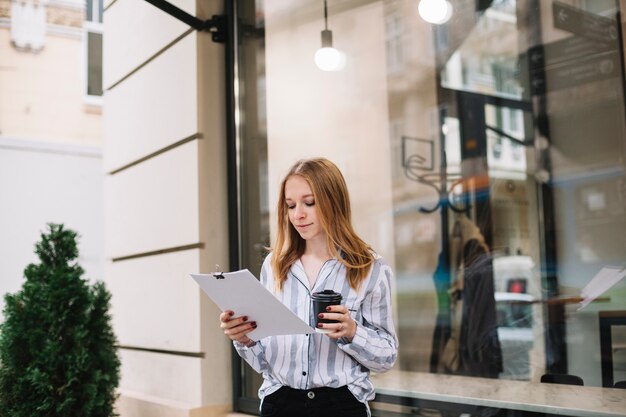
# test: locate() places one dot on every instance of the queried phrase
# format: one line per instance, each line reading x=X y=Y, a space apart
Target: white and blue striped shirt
x=312 y=361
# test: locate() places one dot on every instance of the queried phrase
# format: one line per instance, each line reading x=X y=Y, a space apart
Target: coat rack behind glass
x=420 y=167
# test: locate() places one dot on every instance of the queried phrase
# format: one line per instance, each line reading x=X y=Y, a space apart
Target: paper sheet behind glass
x=601 y=283
x=242 y=293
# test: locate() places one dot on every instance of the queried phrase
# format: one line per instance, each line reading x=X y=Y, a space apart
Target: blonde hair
x=332 y=203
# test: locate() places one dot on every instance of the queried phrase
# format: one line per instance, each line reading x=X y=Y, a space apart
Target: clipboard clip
x=218 y=274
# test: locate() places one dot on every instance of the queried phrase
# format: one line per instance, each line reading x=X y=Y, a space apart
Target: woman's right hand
x=236 y=328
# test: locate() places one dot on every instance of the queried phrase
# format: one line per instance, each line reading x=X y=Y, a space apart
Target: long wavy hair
x=332 y=203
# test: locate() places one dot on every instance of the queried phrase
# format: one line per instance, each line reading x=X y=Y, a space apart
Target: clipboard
x=242 y=293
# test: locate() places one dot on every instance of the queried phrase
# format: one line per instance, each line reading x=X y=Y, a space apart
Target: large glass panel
x=486 y=161
x=94 y=64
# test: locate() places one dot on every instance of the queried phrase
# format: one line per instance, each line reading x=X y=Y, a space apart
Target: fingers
x=339 y=330
x=339 y=308
x=229 y=321
x=333 y=316
x=334 y=327
x=236 y=328
x=337 y=312
x=226 y=315
x=234 y=322
x=237 y=332
x=345 y=326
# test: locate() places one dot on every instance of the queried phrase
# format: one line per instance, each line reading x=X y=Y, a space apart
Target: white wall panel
x=170 y=377
x=41 y=183
x=153 y=205
x=155 y=303
x=147 y=30
x=153 y=110
x=158 y=203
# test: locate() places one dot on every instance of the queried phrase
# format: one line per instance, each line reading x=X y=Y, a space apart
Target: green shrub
x=57 y=347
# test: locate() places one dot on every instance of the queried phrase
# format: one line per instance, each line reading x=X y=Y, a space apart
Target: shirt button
x=303 y=373
x=310 y=394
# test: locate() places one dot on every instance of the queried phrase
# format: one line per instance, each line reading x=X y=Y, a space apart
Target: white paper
x=242 y=293
x=600 y=283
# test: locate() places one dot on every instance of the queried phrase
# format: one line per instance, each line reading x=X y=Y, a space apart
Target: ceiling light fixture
x=328 y=58
x=435 y=11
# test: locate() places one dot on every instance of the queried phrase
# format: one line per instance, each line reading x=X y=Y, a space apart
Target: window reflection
x=501 y=119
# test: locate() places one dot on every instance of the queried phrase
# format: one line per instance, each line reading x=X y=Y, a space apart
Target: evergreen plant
x=57 y=347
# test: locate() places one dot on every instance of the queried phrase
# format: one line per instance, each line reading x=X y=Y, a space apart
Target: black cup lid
x=326 y=295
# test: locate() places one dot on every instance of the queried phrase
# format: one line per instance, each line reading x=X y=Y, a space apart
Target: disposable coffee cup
x=321 y=300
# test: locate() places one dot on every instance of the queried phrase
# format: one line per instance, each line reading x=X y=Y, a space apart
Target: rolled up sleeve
x=375 y=344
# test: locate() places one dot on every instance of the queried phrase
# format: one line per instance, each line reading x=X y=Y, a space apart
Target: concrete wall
x=165 y=207
x=41 y=183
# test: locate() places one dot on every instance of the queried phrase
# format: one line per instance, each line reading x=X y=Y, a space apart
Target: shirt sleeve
x=254 y=355
x=375 y=344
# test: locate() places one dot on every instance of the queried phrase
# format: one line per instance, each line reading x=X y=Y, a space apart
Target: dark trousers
x=316 y=402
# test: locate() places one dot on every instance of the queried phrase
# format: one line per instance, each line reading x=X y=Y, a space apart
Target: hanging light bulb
x=328 y=58
x=435 y=11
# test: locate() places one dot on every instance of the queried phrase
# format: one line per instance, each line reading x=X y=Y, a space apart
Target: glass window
x=93 y=46
x=94 y=10
x=94 y=64
x=486 y=161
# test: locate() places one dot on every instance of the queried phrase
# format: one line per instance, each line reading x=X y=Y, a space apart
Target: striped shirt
x=312 y=361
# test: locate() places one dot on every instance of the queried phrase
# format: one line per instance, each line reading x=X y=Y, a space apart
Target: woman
x=316 y=248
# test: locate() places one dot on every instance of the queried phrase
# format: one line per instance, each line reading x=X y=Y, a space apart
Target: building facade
x=50 y=132
x=165 y=207
x=501 y=124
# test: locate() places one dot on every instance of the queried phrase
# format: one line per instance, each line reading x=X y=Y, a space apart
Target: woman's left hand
x=346 y=326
